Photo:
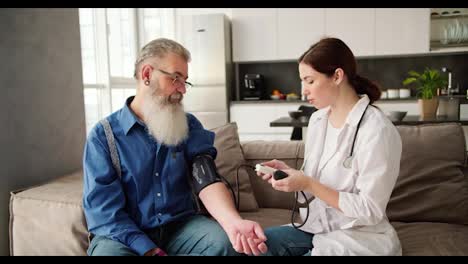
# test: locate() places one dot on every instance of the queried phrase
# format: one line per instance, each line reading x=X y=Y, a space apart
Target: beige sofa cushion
x=49 y=219
x=259 y=151
x=229 y=158
x=431 y=186
x=432 y=239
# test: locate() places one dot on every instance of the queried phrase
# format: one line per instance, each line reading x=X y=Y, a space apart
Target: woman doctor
x=351 y=164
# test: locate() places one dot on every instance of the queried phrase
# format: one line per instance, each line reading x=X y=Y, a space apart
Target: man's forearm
x=218 y=201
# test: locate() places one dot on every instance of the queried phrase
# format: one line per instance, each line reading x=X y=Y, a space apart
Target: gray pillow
x=432 y=186
x=229 y=158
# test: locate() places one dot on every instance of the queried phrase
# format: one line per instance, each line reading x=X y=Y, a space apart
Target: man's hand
x=247 y=237
x=155 y=252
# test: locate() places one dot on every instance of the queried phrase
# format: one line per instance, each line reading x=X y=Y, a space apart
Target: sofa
x=428 y=207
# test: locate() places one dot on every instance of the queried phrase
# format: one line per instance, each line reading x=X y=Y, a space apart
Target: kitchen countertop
x=408 y=120
x=463 y=100
x=269 y=102
x=306 y=102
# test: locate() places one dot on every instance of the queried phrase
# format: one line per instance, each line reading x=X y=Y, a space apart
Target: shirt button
x=157 y=174
x=158 y=194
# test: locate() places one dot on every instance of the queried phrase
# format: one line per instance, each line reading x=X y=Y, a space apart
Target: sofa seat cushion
x=49 y=219
x=435 y=239
x=268 y=217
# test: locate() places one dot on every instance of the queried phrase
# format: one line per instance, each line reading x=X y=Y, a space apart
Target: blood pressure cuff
x=203 y=172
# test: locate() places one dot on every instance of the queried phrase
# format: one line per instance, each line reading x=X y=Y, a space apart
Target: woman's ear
x=338 y=76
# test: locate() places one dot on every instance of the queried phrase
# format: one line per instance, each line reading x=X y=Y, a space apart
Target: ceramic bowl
x=295 y=114
x=396 y=115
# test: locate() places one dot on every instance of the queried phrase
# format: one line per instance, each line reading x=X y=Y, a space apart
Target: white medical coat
x=361 y=227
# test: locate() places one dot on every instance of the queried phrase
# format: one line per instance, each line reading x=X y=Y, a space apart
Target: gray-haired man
x=149 y=209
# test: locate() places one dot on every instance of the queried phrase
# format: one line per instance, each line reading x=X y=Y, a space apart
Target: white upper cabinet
x=254 y=34
x=285 y=33
x=402 y=30
x=356 y=27
x=298 y=29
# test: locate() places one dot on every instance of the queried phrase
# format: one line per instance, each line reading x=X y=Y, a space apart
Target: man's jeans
x=288 y=241
x=196 y=236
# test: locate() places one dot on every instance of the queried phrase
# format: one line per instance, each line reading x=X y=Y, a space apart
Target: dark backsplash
x=387 y=72
x=390 y=72
x=283 y=76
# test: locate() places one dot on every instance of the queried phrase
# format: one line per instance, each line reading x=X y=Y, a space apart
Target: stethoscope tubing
x=347 y=162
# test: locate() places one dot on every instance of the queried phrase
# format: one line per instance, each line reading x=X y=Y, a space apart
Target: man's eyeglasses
x=176 y=79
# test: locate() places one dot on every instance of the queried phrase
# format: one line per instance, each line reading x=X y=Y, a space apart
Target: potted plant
x=427 y=84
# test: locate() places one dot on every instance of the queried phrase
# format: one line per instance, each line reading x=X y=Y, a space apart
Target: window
x=110 y=40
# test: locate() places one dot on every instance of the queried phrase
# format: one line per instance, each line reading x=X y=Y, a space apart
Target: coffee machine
x=253 y=88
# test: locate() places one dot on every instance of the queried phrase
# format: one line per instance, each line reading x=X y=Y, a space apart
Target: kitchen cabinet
x=402 y=30
x=253 y=120
x=298 y=29
x=356 y=27
x=254 y=34
x=284 y=34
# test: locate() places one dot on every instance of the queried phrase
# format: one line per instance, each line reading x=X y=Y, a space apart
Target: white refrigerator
x=208 y=38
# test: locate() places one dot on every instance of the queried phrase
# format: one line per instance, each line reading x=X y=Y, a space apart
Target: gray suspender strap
x=112 y=148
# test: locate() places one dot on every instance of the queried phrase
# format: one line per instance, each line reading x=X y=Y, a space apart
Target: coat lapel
x=315 y=144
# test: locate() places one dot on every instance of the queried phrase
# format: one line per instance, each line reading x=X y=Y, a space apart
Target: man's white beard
x=166 y=122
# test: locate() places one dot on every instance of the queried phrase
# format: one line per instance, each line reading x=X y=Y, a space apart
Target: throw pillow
x=432 y=186
x=230 y=157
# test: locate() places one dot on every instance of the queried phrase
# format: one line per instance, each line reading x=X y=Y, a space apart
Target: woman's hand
x=276 y=164
x=296 y=181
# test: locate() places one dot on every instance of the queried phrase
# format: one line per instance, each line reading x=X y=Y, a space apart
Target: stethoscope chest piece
x=347 y=162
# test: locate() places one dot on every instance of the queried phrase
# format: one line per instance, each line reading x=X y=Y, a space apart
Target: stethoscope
x=349 y=160
x=346 y=163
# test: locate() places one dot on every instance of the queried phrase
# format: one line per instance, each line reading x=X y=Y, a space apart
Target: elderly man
x=143 y=204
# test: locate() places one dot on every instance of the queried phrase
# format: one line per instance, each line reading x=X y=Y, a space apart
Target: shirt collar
x=319 y=115
x=358 y=110
x=354 y=115
x=127 y=117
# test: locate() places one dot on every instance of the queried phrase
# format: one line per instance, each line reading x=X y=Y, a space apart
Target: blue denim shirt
x=154 y=188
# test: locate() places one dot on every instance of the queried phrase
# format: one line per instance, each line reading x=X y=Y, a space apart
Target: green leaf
x=413 y=74
x=409 y=80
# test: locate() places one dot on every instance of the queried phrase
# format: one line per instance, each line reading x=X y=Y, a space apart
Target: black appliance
x=253 y=88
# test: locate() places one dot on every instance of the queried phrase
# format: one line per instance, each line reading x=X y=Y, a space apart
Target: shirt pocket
x=177 y=166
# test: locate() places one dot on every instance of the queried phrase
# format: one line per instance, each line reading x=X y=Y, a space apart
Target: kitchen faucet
x=449 y=85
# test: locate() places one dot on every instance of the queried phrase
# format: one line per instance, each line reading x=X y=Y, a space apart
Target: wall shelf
x=449 y=16
x=438 y=44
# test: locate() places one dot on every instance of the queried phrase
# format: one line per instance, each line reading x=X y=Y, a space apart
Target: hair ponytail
x=363 y=85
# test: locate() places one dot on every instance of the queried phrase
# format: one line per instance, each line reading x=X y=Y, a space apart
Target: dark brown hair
x=329 y=54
